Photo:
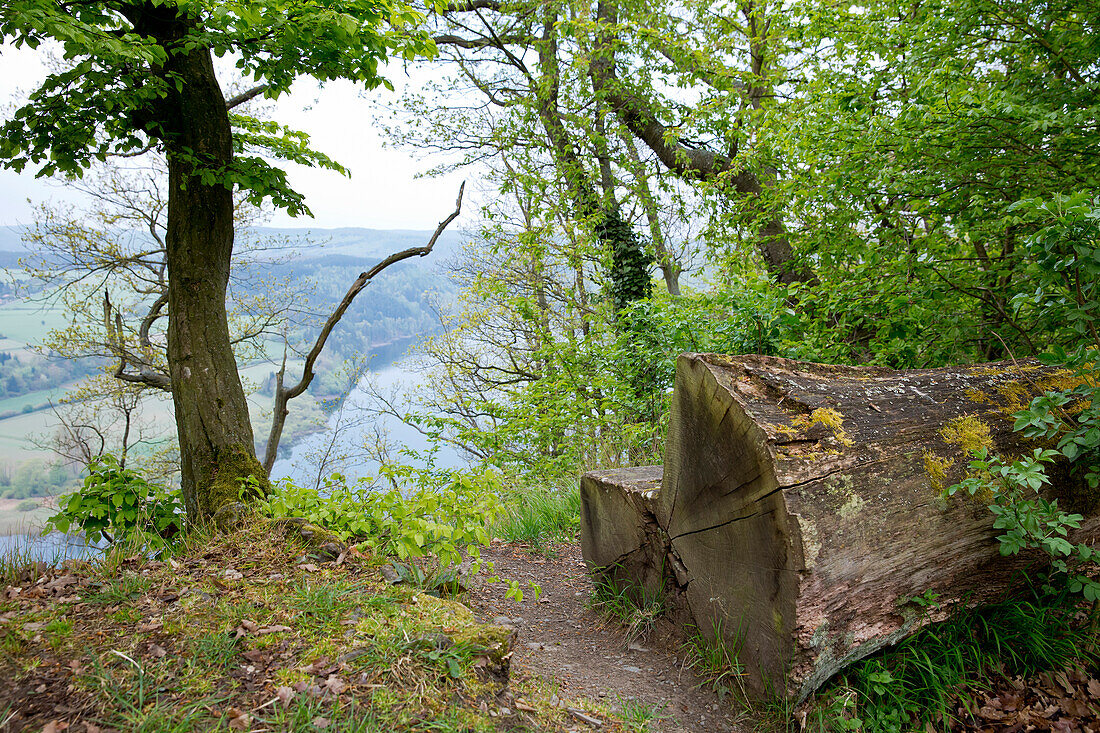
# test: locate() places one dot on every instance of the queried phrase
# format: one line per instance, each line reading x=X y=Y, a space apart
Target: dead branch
x=284 y=394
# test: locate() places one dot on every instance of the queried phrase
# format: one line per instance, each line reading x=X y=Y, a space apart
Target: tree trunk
x=800 y=510
x=215 y=435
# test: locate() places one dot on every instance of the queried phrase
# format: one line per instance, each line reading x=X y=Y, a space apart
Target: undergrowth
x=633 y=605
x=540 y=516
x=923 y=680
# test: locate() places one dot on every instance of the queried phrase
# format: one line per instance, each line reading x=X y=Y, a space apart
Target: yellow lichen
x=967 y=432
x=828 y=418
x=936 y=468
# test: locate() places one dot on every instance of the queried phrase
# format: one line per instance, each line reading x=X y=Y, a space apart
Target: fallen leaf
x=320 y=722
x=275 y=629
x=310 y=568
x=249 y=625
x=150 y=626
x=54 y=726
x=285 y=695
x=1094 y=689
x=239 y=720
x=335 y=685
x=157 y=651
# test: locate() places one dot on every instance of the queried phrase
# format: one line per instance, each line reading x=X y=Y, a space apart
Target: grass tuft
x=634 y=606
x=541 y=516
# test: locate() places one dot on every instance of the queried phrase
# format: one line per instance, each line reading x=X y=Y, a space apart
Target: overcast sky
x=382 y=193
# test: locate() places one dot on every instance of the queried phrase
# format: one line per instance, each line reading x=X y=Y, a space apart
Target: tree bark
x=212 y=423
x=800 y=509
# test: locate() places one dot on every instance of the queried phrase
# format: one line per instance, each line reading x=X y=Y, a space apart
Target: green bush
x=441 y=514
x=117 y=503
x=27 y=505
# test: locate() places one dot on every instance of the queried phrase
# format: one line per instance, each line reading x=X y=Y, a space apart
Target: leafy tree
x=141 y=75
x=910 y=134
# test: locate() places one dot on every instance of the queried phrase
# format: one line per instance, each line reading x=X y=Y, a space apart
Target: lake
x=346 y=446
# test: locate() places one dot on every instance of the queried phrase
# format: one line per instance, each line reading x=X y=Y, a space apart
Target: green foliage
x=106 y=100
x=424 y=513
x=630 y=264
x=1030 y=521
x=540 y=516
x=917 y=681
x=117 y=504
x=1065 y=251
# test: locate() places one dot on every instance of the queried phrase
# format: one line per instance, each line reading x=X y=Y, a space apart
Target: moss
x=967 y=432
x=936 y=469
x=828 y=418
x=492 y=642
x=225 y=487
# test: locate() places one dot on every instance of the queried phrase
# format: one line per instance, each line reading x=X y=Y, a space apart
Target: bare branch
x=246 y=96
x=284 y=394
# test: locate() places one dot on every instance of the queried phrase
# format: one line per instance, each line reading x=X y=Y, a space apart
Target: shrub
x=441 y=514
x=117 y=503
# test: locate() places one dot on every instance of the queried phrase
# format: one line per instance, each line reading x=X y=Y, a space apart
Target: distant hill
x=10 y=241
x=363 y=245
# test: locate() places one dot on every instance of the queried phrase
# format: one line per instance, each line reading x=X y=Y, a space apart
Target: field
x=13 y=521
x=27 y=420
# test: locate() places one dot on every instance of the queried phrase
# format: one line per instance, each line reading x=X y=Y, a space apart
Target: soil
x=568 y=644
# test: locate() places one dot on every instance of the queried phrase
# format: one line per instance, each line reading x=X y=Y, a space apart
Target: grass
x=540 y=516
x=634 y=606
x=638 y=715
x=183 y=644
x=715 y=662
x=920 y=681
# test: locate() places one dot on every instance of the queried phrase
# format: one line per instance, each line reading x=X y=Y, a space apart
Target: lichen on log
x=801 y=508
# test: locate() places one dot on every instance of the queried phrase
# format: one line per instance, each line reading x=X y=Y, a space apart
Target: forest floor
x=562 y=639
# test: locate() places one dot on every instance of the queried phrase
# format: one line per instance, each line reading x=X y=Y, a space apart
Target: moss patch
x=226 y=486
x=968 y=433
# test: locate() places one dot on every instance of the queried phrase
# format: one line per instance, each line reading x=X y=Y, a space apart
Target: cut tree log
x=801 y=514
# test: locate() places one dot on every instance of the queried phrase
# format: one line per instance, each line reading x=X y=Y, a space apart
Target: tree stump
x=800 y=511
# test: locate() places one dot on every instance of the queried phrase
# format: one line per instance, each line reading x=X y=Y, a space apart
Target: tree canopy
x=140 y=76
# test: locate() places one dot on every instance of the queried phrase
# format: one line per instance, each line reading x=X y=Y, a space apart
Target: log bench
x=800 y=509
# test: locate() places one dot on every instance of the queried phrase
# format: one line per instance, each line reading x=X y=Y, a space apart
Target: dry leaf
x=241 y=721
x=150 y=626
x=320 y=722
x=285 y=695
x=335 y=685
x=55 y=726
x=249 y=625
x=310 y=568
x=274 y=629
x=157 y=651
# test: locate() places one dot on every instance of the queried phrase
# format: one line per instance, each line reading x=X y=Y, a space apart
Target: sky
x=382 y=193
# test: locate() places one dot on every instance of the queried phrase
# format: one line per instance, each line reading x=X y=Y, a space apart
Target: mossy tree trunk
x=212 y=422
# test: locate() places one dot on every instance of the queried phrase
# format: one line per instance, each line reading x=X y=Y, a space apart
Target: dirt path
x=566 y=643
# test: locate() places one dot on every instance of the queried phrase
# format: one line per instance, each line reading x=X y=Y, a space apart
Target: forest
x=882 y=185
